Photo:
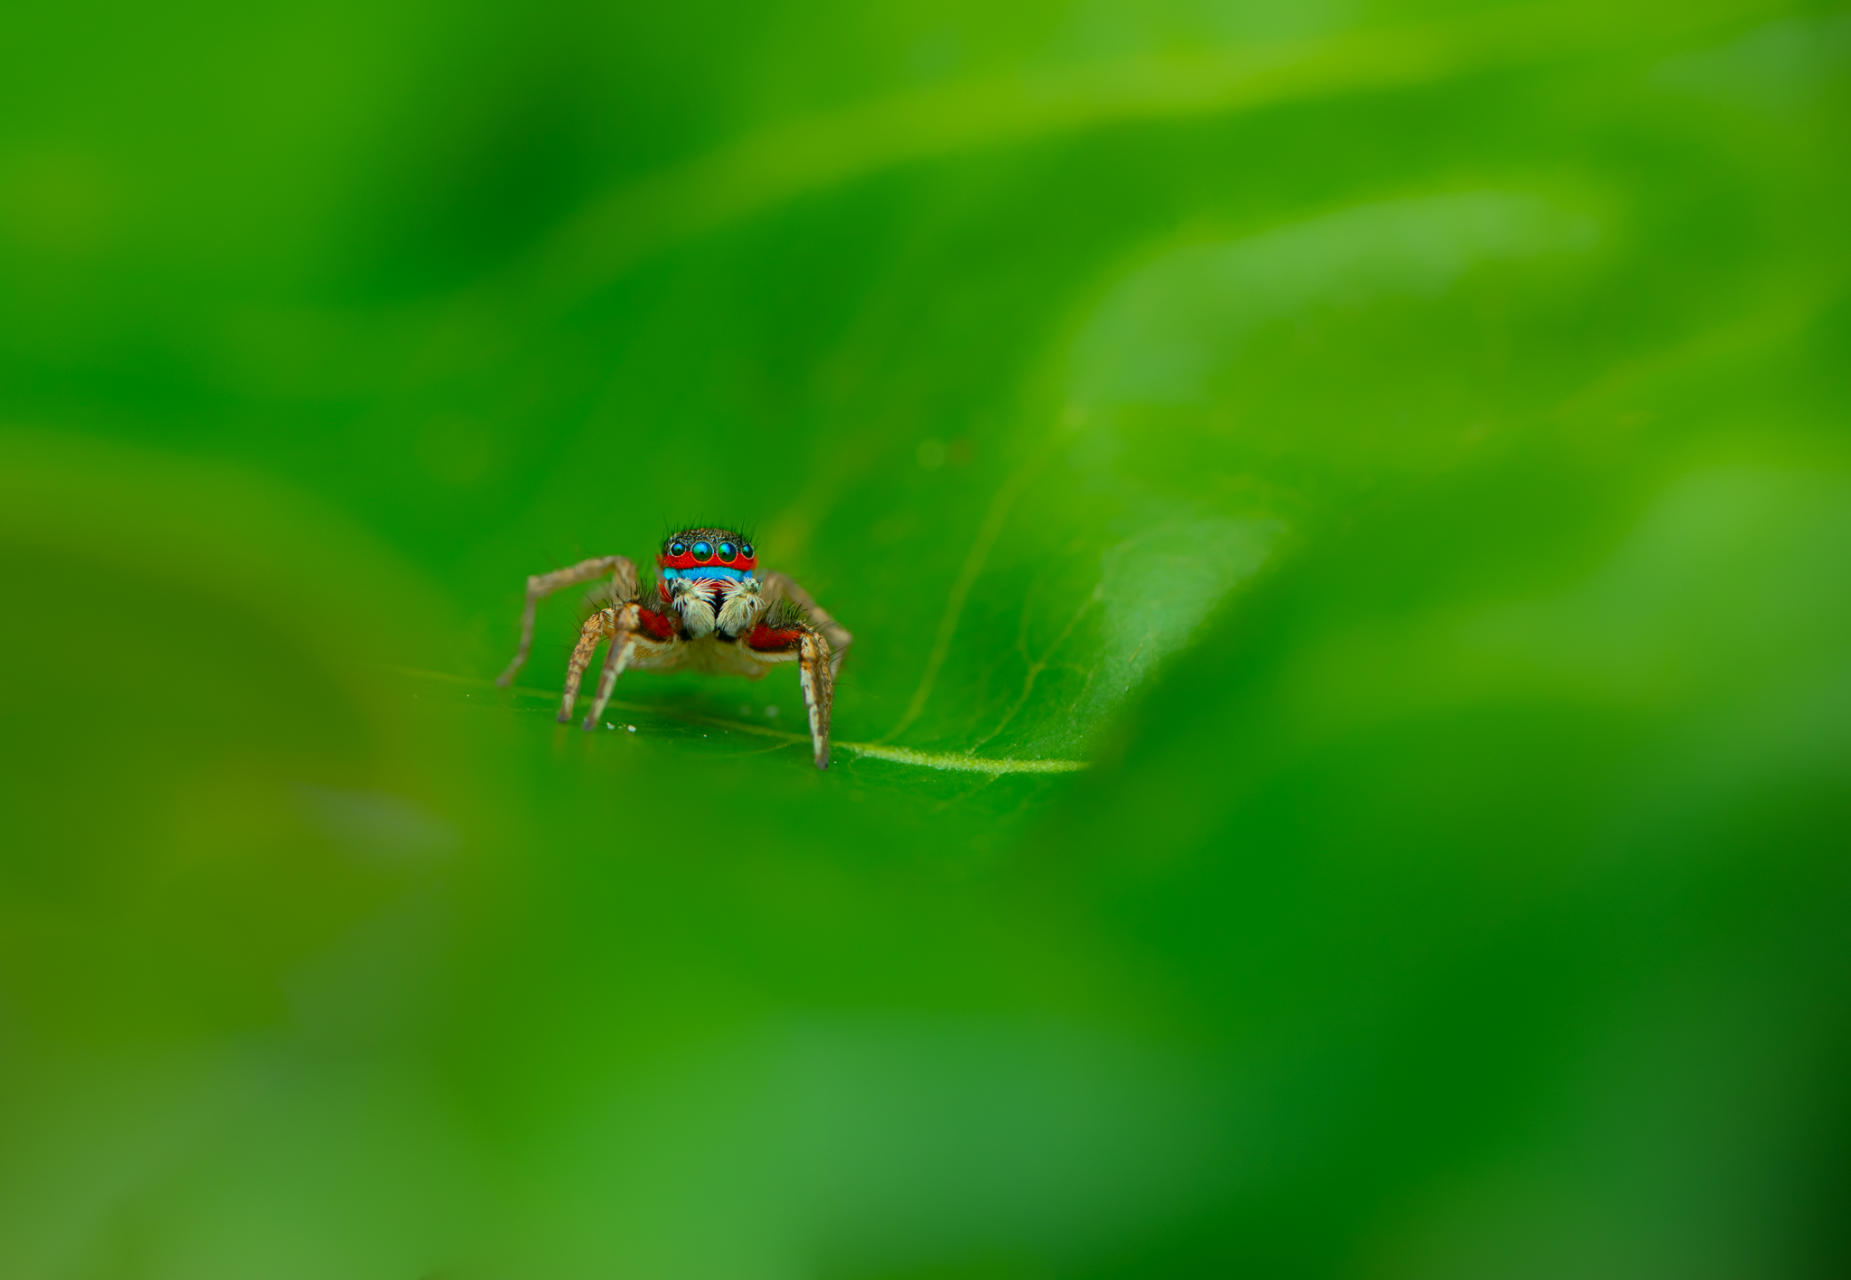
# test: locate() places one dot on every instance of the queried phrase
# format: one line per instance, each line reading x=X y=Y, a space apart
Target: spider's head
x=706 y=553
x=707 y=579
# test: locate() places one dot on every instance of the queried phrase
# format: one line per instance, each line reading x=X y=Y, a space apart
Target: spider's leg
x=625 y=627
x=542 y=585
x=596 y=627
x=815 y=670
x=781 y=586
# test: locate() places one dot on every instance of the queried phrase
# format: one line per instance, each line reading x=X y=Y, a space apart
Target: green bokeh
x=1345 y=512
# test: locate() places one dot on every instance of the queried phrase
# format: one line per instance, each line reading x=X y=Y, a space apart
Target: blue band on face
x=708 y=571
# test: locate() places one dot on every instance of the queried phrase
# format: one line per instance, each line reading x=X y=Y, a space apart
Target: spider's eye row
x=746 y=551
x=678 y=548
x=728 y=551
x=703 y=551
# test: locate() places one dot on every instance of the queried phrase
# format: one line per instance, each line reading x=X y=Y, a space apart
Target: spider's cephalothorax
x=708 y=579
x=712 y=612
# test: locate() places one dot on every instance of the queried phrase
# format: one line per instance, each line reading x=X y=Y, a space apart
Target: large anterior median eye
x=728 y=551
x=678 y=548
x=703 y=551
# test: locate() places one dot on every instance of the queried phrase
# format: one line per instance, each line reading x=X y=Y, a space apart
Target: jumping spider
x=714 y=613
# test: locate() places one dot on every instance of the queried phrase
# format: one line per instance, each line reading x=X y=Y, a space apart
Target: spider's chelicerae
x=712 y=611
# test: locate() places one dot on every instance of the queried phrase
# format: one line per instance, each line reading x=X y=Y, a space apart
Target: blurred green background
x=1346 y=512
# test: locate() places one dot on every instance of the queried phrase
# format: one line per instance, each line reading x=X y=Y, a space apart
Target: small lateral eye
x=678 y=548
x=746 y=551
x=703 y=551
x=728 y=551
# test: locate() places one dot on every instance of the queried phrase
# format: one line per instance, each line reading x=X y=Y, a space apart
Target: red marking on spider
x=763 y=637
x=686 y=560
x=658 y=625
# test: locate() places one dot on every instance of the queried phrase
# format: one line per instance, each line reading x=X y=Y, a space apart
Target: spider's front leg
x=628 y=627
x=786 y=636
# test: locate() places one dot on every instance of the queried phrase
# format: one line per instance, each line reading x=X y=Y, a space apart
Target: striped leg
x=818 y=674
x=624 y=629
x=795 y=640
x=596 y=627
x=542 y=585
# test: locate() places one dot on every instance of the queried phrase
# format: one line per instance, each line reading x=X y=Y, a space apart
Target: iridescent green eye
x=703 y=551
x=746 y=551
x=728 y=551
x=678 y=548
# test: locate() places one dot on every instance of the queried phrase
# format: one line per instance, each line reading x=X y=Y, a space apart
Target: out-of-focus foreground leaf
x=1342 y=770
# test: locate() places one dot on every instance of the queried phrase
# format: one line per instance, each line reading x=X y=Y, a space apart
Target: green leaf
x=1342 y=765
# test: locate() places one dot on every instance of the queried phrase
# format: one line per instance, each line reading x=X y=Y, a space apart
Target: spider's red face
x=707 y=553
